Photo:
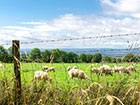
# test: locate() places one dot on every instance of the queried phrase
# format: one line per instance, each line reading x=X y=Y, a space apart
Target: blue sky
x=14 y=11
x=34 y=20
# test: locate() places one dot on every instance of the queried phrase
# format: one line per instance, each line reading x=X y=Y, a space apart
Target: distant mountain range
x=104 y=51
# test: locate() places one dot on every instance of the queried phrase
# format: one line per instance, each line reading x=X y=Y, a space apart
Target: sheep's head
x=133 y=69
x=112 y=72
x=68 y=68
x=86 y=78
x=128 y=72
x=74 y=67
x=45 y=67
x=50 y=80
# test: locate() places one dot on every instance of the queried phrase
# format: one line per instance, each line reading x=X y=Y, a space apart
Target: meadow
x=100 y=90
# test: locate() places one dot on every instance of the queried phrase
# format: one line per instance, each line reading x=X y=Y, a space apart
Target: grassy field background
x=64 y=91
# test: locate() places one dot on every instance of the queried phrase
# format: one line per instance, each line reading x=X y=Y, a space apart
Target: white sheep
x=78 y=74
x=116 y=69
x=51 y=69
x=40 y=75
x=106 y=69
x=74 y=67
x=95 y=70
x=45 y=67
x=124 y=70
x=121 y=70
x=131 y=68
x=68 y=68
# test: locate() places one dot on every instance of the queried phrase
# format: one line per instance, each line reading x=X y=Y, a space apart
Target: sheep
x=124 y=70
x=68 y=68
x=45 y=67
x=106 y=69
x=78 y=74
x=74 y=67
x=131 y=68
x=51 y=69
x=121 y=70
x=40 y=75
x=95 y=70
x=116 y=69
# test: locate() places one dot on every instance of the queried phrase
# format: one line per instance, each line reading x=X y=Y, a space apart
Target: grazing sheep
x=121 y=70
x=124 y=70
x=131 y=68
x=78 y=74
x=40 y=75
x=74 y=67
x=45 y=67
x=116 y=69
x=68 y=68
x=106 y=69
x=95 y=70
x=51 y=69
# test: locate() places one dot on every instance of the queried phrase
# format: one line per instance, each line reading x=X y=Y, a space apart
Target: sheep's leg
x=71 y=77
x=120 y=72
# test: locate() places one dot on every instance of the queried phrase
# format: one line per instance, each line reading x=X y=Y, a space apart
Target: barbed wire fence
x=76 y=39
x=16 y=54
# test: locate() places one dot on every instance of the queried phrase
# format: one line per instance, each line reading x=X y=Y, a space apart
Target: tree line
x=60 y=56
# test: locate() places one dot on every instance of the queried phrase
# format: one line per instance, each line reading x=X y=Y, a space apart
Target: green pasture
x=63 y=91
x=61 y=77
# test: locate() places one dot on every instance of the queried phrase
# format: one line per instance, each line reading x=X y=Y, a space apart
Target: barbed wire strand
x=74 y=39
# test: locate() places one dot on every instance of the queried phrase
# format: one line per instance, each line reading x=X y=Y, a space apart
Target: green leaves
x=35 y=54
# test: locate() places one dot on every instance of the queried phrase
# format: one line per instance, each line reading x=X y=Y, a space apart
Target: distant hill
x=104 y=51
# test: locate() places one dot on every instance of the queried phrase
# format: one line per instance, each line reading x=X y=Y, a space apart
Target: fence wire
x=75 y=39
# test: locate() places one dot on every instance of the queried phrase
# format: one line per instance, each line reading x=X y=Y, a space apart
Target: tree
x=25 y=58
x=129 y=57
x=83 y=57
x=56 y=55
x=10 y=51
x=119 y=60
x=97 y=57
x=46 y=56
x=10 y=54
x=64 y=56
x=113 y=60
x=89 y=58
x=35 y=54
x=3 y=54
x=107 y=59
x=72 y=57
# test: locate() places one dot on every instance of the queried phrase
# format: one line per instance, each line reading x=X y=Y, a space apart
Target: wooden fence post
x=16 y=57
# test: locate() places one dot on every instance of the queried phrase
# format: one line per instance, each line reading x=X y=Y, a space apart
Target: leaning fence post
x=16 y=57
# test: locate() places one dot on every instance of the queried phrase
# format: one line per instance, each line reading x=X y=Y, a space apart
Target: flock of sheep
x=107 y=70
x=75 y=72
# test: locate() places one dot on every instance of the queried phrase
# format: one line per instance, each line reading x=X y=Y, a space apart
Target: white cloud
x=32 y=23
x=16 y=27
x=70 y=26
x=122 y=7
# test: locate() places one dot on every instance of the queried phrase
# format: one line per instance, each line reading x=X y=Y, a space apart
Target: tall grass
x=100 y=90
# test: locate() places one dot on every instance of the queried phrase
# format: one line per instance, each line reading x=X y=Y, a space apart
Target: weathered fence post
x=16 y=56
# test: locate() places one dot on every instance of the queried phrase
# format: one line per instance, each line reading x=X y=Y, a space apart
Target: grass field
x=100 y=90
